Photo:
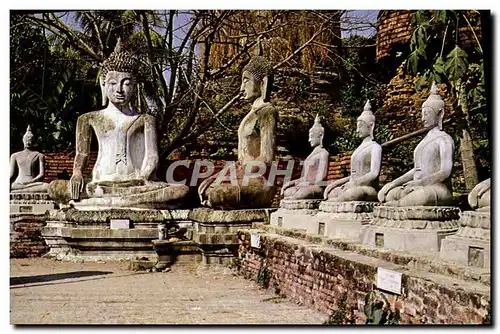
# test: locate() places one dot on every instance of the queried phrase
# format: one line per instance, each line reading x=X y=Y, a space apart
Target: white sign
x=255 y=239
x=389 y=280
x=116 y=224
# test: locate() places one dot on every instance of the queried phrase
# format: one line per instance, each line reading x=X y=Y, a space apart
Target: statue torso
x=361 y=159
x=27 y=164
x=249 y=132
x=314 y=166
x=427 y=156
x=121 y=145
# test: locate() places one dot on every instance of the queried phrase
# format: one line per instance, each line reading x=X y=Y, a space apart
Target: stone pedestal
x=297 y=214
x=30 y=203
x=419 y=228
x=471 y=245
x=107 y=234
x=344 y=220
x=216 y=234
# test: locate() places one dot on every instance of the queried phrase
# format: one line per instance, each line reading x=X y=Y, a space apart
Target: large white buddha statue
x=361 y=185
x=428 y=183
x=128 y=156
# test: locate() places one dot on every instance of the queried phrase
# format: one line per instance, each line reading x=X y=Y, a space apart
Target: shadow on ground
x=54 y=277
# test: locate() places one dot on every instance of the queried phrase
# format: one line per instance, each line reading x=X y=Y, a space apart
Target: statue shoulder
x=267 y=109
x=446 y=138
x=148 y=118
x=89 y=115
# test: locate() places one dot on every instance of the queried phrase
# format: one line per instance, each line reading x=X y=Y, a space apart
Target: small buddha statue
x=28 y=162
x=479 y=198
x=361 y=185
x=128 y=155
x=256 y=143
x=315 y=169
x=428 y=183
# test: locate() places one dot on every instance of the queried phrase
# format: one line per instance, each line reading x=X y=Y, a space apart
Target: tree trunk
x=466 y=147
x=468 y=161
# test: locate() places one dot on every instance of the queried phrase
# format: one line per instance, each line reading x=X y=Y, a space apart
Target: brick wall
x=319 y=278
x=394 y=27
x=25 y=237
x=61 y=162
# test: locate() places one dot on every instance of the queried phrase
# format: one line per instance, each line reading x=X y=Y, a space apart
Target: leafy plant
x=264 y=276
x=437 y=55
x=378 y=311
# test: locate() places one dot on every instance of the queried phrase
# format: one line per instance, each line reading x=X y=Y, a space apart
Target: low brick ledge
x=413 y=261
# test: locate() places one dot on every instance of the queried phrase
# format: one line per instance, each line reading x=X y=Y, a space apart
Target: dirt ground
x=44 y=291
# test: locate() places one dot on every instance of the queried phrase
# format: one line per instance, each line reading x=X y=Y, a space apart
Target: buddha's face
x=430 y=118
x=315 y=138
x=363 y=129
x=249 y=87
x=120 y=87
x=27 y=141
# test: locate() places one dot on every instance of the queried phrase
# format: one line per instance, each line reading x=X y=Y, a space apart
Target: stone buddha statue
x=428 y=183
x=315 y=169
x=479 y=198
x=256 y=143
x=361 y=185
x=27 y=163
x=128 y=155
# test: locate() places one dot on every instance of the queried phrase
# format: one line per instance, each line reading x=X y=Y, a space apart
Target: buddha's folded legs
x=432 y=195
x=305 y=192
x=110 y=189
x=257 y=194
x=345 y=194
x=35 y=187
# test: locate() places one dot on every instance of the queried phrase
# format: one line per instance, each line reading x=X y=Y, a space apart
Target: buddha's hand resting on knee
x=329 y=188
x=286 y=185
x=384 y=191
x=75 y=186
x=412 y=185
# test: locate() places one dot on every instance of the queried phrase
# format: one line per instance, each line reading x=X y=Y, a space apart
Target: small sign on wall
x=389 y=280
x=255 y=239
x=118 y=224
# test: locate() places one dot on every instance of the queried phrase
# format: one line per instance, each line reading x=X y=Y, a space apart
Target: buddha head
x=433 y=109
x=28 y=138
x=366 y=122
x=257 y=79
x=118 y=77
x=316 y=133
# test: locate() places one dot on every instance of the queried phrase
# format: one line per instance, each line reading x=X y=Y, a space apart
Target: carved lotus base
x=30 y=203
x=471 y=245
x=344 y=220
x=300 y=204
x=108 y=234
x=411 y=228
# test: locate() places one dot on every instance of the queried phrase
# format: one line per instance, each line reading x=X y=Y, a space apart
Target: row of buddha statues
x=124 y=173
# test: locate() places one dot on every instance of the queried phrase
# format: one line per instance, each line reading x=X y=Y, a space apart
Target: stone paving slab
x=44 y=291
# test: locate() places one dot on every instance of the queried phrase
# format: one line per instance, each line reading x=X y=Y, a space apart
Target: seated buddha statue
x=128 y=155
x=428 y=183
x=315 y=169
x=479 y=198
x=361 y=185
x=256 y=144
x=27 y=162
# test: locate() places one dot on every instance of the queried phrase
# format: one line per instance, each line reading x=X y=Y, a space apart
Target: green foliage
x=264 y=276
x=456 y=64
x=378 y=311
